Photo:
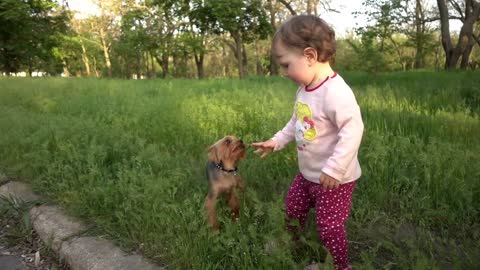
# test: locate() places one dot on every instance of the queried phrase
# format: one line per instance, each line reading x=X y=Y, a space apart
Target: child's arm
x=279 y=141
x=344 y=112
x=286 y=135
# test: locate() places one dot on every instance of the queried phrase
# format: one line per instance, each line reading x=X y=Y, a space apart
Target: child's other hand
x=328 y=182
x=265 y=147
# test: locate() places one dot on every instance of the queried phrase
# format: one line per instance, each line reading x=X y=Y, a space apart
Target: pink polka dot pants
x=332 y=208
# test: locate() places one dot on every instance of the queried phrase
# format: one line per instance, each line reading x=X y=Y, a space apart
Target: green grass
x=130 y=156
x=14 y=217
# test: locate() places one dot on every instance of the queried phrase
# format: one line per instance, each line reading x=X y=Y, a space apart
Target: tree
x=30 y=32
x=414 y=24
x=308 y=7
x=90 y=48
x=106 y=27
x=201 y=25
x=165 y=17
x=419 y=37
x=377 y=38
x=133 y=43
x=400 y=27
x=469 y=13
x=244 y=21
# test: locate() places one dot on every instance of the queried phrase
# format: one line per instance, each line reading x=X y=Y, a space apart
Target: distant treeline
x=224 y=38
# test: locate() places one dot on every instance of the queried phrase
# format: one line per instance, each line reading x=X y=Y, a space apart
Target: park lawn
x=129 y=156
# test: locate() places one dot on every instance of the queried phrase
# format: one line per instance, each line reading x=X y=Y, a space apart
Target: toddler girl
x=327 y=127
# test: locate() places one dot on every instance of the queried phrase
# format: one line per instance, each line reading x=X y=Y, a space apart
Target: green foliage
x=30 y=34
x=245 y=17
x=187 y=39
x=394 y=39
x=130 y=156
x=15 y=212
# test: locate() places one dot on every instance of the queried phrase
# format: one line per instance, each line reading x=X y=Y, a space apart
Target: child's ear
x=311 y=54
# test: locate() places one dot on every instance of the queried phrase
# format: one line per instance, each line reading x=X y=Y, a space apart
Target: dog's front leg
x=234 y=205
x=240 y=184
x=210 y=202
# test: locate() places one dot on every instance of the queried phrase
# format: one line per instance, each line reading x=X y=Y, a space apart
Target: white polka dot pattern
x=332 y=208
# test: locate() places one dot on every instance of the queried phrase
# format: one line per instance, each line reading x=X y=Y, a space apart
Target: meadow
x=129 y=157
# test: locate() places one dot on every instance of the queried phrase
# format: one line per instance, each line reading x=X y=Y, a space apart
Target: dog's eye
x=228 y=141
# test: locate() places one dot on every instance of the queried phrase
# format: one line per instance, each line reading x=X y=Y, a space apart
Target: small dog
x=222 y=176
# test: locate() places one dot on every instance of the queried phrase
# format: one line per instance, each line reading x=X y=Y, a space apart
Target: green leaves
x=30 y=34
x=246 y=17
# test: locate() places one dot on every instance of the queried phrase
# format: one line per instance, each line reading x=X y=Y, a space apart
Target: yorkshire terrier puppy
x=222 y=176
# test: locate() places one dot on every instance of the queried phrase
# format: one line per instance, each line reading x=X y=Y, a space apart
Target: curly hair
x=303 y=31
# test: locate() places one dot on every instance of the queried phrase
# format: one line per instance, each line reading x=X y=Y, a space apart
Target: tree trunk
x=95 y=67
x=164 y=65
x=445 y=31
x=163 y=62
x=453 y=54
x=289 y=7
x=312 y=7
x=154 y=71
x=85 y=60
x=309 y=6
x=180 y=64
x=465 y=40
x=106 y=53
x=137 y=68
x=399 y=53
x=176 y=65
x=145 y=64
x=184 y=64
x=420 y=32
x=273 y=64
x=238 y=53
x=125 y=68
x=437 y=57
x=199 y=63
x=226 y=68
x=245 y=61
x=466 y=53
x=259 y=67
x=66 y=72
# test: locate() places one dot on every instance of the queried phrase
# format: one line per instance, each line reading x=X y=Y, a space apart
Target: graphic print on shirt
x=304 y=127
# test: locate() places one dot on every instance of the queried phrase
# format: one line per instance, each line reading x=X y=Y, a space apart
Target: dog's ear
x=213 y=154
x=243 y=155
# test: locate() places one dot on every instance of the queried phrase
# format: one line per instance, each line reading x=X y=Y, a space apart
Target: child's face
x=294 y=62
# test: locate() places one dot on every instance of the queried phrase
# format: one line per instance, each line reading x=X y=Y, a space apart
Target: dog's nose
x=241 y=141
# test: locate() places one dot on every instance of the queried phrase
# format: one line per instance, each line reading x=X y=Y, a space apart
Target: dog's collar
x=220 y=167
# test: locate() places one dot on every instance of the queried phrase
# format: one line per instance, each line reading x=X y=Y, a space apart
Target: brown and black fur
x=223 y=178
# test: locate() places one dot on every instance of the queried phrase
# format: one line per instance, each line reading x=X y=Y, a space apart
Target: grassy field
x=130 y=156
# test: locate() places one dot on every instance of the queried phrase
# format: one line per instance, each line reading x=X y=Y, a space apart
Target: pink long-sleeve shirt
x=327 y=127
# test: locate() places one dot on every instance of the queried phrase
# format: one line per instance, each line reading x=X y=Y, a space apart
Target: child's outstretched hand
x=266 y=147
x=328 y=182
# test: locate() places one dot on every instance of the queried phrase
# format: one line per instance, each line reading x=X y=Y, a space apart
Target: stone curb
x=18 y=190
x=62 y=234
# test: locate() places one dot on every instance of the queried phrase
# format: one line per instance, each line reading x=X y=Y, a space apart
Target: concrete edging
x=62 y=234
